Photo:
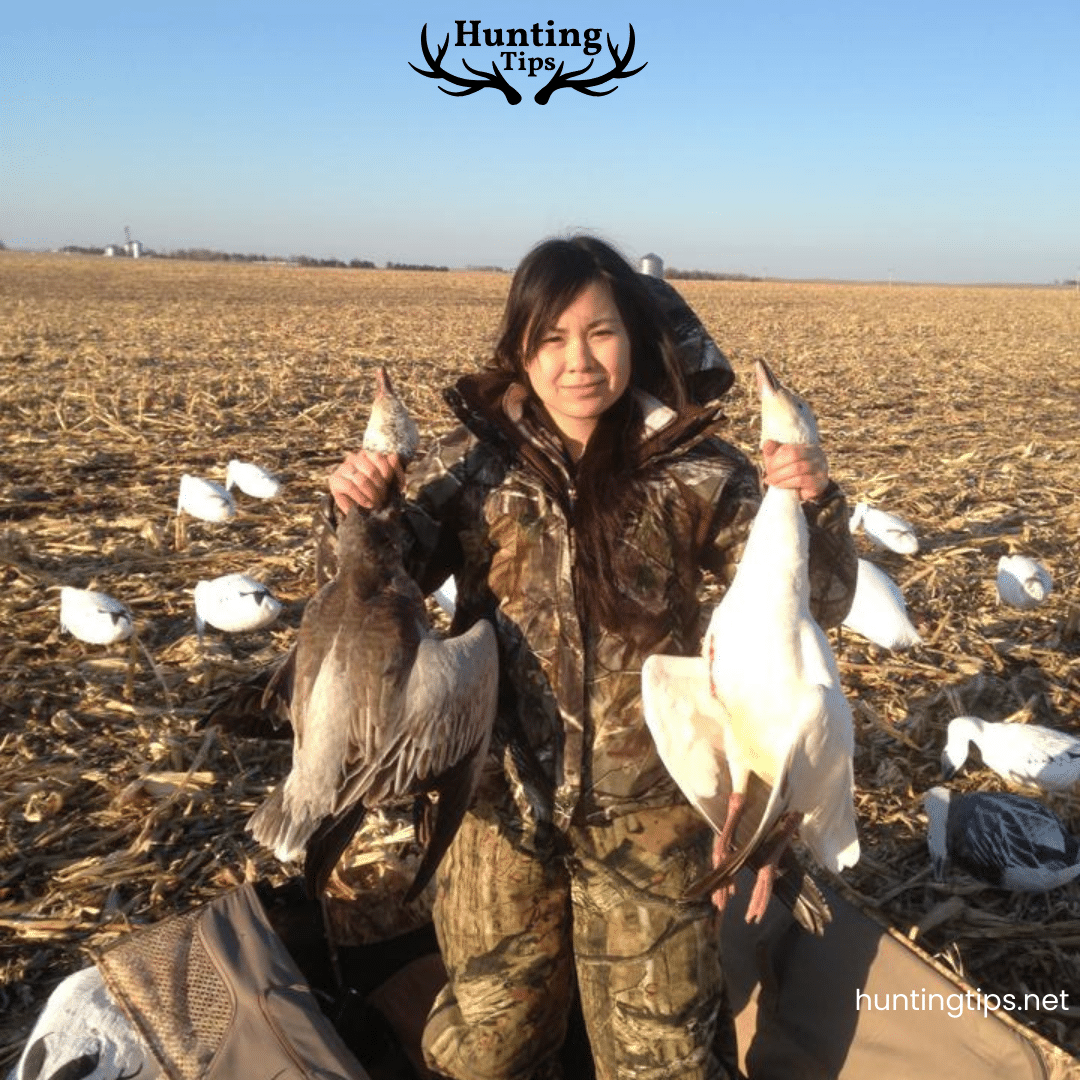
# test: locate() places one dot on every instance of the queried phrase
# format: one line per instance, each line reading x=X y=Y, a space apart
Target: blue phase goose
x=1022 y=753
x=784 y=715
x=383 y=711
x=1008 y=841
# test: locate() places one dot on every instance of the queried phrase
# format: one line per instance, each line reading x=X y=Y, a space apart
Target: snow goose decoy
x=251 y=479
x=82 y=1032
x=884 y=529
x=1022 y=753
x=382 y=711
x=686 y=725
x=784 y=715
x=234 y=603
x=1008 y=841
x=878 y=611
x=1022 y=582
x=99 y=619
x=203 y=499
x=94 y=617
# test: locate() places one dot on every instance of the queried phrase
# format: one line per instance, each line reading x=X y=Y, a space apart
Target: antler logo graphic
x=585 y=86
x=495 y=80
x=469 y=34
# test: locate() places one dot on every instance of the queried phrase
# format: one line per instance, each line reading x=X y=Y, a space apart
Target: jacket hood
x=498 y=410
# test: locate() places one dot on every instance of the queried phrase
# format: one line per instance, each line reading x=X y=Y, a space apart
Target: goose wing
x=451 y=699
x=687 y=727
x=426 y=729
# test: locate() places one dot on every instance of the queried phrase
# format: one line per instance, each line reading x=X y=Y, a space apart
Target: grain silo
x=652 y=265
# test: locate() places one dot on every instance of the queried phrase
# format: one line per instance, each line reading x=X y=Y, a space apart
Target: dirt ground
x=953 y=407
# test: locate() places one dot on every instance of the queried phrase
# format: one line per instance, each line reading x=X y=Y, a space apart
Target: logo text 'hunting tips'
x=515 y=45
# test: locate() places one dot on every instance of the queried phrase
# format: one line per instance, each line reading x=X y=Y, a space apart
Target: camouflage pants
x=516 y=928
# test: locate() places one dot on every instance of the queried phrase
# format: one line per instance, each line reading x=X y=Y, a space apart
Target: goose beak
x=382 y=382
x=765 y=377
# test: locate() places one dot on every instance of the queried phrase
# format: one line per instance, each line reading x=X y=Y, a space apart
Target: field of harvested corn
x=954 y=407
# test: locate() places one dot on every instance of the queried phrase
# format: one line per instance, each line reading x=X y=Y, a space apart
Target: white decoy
x=82 y=1032
x=390 y=429
x=382 y=711
x=251 y=479
x=878 y=611
x=686 y=723
x=785 y=716
x=204 y=499
x=94 y=617
x=1022 y=582
x=234 y=603
x=1008 y=841
x=884 y=529
x=1022 y=753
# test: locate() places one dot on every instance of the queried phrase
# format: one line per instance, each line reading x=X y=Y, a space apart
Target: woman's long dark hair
x=546 y=282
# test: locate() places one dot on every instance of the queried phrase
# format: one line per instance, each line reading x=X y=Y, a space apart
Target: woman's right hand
x=365 y=479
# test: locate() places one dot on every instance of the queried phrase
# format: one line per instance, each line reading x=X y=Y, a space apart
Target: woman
x=582 y=504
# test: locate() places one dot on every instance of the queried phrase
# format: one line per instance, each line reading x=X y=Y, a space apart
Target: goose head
x=785 y=417
x=962 y=730
x=390 y=428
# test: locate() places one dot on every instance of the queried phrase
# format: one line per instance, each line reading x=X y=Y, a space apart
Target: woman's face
x=583 y=364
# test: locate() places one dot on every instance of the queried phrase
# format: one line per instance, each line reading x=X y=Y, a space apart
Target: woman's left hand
x=802 y=468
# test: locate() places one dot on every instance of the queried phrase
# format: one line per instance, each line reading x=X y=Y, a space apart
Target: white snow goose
x=203 y=499
x=784 y=715
x=1004 y=840
x=688 y=729
x=1022 y=753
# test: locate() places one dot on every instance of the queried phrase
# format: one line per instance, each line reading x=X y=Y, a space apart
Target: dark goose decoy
x=1008 y=841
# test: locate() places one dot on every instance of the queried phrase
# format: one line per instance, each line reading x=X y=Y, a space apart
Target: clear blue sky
x=935 y=141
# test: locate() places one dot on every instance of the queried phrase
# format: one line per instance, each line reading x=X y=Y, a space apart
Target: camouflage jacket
x=492 y=503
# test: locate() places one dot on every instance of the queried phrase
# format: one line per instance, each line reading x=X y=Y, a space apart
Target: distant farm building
x=652 y=265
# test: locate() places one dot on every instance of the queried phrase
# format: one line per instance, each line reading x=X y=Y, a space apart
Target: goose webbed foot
x=724 y=843
x=769 y=870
